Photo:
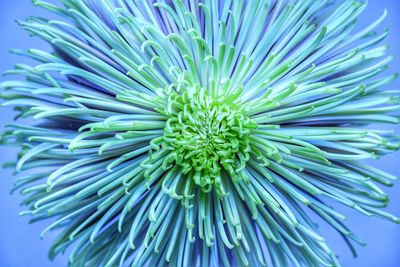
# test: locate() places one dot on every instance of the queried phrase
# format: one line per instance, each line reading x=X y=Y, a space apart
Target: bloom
x=201 y=132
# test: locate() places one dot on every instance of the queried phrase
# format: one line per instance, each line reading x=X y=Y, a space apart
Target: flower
x=201 y=132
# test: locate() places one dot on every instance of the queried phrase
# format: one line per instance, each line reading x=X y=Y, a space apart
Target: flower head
x=201 y=132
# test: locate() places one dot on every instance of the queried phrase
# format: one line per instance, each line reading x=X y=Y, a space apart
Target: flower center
x=207 y=138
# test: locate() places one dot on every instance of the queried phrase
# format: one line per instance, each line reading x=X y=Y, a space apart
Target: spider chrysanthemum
x=201 y=133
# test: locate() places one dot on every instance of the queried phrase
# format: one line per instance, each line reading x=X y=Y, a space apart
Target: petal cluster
x=201 y=133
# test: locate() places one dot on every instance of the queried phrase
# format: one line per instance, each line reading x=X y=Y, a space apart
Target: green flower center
x=208 y=138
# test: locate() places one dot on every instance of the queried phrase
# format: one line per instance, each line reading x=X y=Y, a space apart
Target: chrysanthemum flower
x=201 y=132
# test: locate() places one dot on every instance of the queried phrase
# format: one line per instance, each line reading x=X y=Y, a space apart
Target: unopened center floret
x=208 y=138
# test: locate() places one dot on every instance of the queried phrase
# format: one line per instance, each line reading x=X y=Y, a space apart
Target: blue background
x=21 y=246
